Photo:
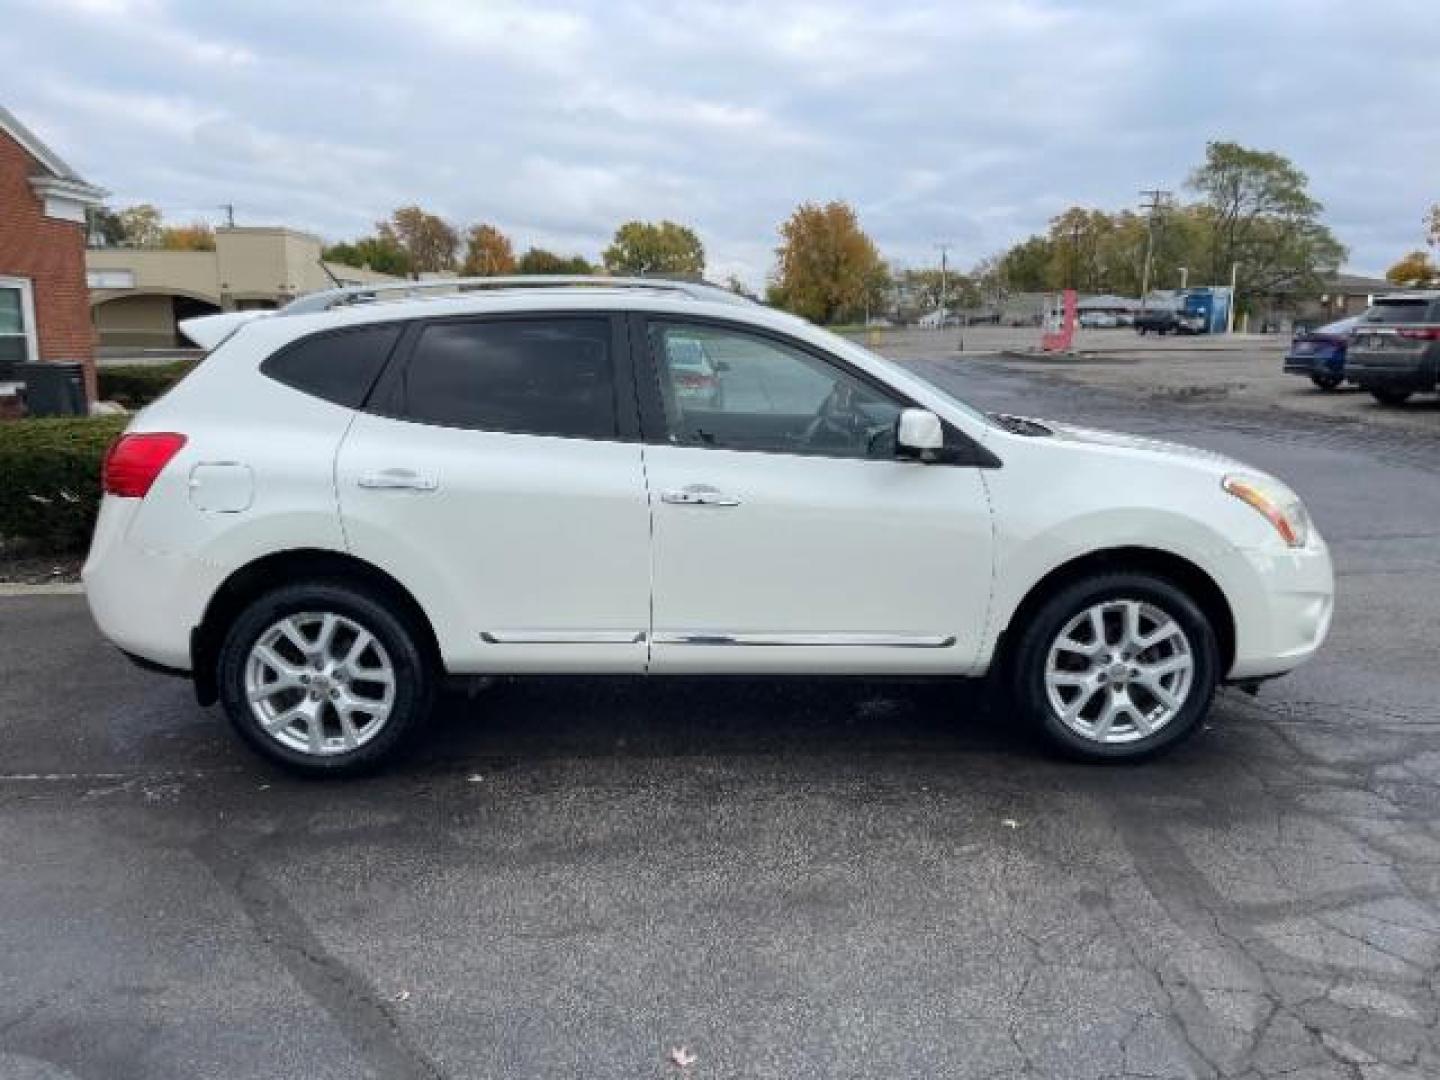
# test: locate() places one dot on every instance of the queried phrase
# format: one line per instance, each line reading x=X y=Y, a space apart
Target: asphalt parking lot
x=786 y=878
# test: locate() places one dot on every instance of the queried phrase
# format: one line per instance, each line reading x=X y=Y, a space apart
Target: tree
x=197 y=236
x=429 y=241
x=1258 y=215
x=1415 y=270
x=540 y=261
x=140 y=226
x=488 y=252
x=103 y=227
x=1026 y=266
x=371 y=253
x=827 y=267
x=644 y=247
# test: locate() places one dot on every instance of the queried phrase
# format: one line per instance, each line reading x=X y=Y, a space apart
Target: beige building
x=137 y=295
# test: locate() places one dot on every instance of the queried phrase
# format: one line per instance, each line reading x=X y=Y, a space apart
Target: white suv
x=368 y=491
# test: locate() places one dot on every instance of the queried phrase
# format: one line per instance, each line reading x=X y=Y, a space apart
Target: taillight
x=134 y=461
x=1421 y=333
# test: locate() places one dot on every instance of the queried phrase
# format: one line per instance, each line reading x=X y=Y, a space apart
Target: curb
x=51 y=588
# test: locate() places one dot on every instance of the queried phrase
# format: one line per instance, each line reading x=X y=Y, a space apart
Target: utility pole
x=1230 y=314
x=229 y=209
x=944 y=281
x=1157 y=198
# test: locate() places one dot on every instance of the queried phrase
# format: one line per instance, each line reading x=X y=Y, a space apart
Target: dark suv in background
x=1395 y=349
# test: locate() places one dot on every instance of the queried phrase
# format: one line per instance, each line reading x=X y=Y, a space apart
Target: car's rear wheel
x=1116 y=667
x=1327 y=382
x=324 y=678
x=1388 y=396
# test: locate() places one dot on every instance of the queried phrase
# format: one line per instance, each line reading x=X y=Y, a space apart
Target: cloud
x=969 y=124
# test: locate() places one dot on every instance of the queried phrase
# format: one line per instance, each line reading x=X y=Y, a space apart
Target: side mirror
x=919 y=434
x=721 y=366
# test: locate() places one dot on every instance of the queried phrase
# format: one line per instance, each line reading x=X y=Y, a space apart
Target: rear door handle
x=398 y=480
x=698 y=495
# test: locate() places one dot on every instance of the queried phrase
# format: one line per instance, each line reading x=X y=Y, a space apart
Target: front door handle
x=398 y=480
x=698 y=495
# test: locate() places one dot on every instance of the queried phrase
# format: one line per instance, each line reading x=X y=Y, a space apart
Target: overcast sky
x=968 y=123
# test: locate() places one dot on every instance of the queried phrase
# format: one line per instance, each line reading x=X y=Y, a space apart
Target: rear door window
x=528 y=377
x=339 y=365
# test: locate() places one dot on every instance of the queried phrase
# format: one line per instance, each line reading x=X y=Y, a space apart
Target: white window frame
x=27 y=314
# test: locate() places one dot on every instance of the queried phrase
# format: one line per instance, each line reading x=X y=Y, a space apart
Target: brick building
x=44 y=302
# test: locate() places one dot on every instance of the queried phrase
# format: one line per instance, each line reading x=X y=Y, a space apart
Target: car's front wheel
x=1327 y=382
x=1116 y=667
x=324 y=678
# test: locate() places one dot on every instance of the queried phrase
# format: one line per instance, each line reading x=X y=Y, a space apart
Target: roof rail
x=366 y=294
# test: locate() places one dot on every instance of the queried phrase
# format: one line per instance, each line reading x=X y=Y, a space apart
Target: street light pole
x=944 y=281
x=1230 y=313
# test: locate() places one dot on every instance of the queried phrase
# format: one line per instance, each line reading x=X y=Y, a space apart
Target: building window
x=17 y=322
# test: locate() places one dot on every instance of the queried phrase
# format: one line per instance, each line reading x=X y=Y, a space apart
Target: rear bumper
x=1284 y=621
x=144 y=601
x=1398 y=372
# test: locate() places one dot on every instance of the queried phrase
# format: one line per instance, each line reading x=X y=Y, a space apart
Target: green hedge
x=136 y=385
x=50 y=479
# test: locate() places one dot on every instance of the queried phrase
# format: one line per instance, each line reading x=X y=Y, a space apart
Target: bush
x=50 y=479
x=136 y=385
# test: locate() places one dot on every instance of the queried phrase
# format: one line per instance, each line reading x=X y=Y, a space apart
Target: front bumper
x=1285 y=618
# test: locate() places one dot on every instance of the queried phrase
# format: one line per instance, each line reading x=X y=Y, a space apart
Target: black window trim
x=960 y=449
x=293 y=345
x=384 y=398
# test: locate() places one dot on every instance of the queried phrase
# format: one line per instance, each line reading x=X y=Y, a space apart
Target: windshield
x=1342 y=326
x=1397 y=311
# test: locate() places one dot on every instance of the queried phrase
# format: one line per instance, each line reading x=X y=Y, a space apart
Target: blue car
x=1320 y=354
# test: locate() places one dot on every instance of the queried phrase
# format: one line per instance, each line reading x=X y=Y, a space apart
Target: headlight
x=1282 y=508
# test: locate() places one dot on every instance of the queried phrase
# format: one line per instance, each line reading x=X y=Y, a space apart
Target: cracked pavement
x=789 y=878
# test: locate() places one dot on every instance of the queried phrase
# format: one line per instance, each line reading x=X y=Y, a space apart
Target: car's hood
x=1069 y=433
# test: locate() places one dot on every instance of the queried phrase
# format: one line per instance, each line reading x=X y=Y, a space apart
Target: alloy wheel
x=1119 y=671
x=319 y=683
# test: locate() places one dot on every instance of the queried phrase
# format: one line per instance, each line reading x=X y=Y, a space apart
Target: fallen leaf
x=682 y=1057
x=403 y=995
x=1010 y=823
x=475 y=778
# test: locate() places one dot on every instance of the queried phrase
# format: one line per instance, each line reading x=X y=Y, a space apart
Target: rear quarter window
x=339 y=366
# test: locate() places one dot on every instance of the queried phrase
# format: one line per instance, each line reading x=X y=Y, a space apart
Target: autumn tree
x=828 y=267
x=658 y=248
x=488 y=252
x=1415 y=270
x=1257 y=214
x=540 y=261
x=429 y=242
x=197 y=236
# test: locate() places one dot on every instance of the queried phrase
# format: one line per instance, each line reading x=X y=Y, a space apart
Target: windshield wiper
x=1018 y=425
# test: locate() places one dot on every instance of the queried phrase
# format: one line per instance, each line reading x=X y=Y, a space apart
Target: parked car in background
x=1098 y=320
x=1168 y=320
x=1394 y=351
x=695 y=376
x=354 y=499
x=1320 y=354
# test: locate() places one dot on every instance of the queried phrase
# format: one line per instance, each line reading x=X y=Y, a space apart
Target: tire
x=1386 y=396
x=319 y=687
x=1327 y=382
x=1140 y=724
